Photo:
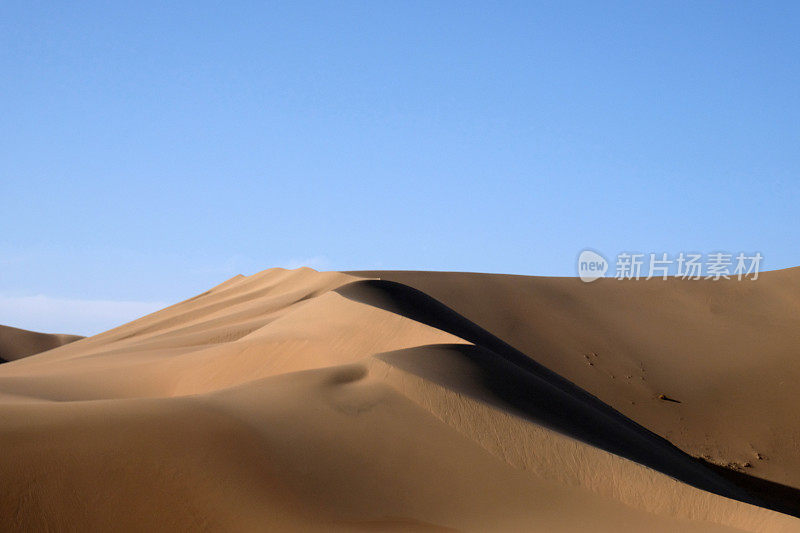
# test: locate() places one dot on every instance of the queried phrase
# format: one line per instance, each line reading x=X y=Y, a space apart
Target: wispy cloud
x=81 y=317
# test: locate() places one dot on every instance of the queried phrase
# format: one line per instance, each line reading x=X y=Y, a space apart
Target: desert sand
x=17 y=343
x=297 y=400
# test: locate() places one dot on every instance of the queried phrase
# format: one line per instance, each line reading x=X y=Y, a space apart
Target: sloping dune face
x=728 y=351
x=17 y=343
x=304 y=400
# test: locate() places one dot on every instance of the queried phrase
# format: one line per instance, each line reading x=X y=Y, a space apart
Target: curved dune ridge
x=417 y=401
x=17 y=343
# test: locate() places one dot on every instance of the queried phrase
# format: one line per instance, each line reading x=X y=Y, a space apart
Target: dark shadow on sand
x=495 y=372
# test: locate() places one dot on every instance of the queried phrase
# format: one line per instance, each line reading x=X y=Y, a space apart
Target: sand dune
x=728 y=351
x=304 y=400
x=17 y=343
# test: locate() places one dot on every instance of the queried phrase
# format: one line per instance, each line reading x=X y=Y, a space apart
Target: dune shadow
x=495 y=372
x=782 y=498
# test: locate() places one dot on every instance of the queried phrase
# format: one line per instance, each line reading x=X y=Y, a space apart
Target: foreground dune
x=17 y=343
x=304 y=400
x=728 y=351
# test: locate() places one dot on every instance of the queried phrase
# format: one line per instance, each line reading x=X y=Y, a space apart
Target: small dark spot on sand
x=667 y=398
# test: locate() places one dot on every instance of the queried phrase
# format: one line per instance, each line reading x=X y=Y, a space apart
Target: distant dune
x=296 y=400
x=17 y=343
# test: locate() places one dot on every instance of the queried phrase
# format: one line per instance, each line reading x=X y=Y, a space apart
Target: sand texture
x=297 y=400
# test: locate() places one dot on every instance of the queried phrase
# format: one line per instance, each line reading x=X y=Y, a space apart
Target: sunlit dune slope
x=727 y=350
x=304 y=400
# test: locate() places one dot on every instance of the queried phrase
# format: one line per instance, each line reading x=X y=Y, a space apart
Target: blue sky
x=149 y=151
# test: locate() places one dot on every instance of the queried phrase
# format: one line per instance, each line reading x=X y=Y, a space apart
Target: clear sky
x=151 y=150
